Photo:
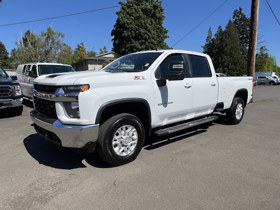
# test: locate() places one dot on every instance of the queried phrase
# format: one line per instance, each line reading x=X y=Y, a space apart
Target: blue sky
x=94 y=29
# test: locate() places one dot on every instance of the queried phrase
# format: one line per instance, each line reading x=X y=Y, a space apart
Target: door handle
x=187 y=85
x=213 y=84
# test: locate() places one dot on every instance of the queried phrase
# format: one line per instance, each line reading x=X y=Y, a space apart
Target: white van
x=26 y=73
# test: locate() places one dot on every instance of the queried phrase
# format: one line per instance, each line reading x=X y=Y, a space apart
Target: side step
x=173 y=129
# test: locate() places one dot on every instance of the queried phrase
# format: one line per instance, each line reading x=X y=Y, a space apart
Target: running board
x=173 y=129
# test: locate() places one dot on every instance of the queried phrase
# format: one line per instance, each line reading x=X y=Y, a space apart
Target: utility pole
x=253 y=38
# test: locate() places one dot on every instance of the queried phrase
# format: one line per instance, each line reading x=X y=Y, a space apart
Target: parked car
x=26 y=73
x=10 y=93
x=267 y=80
x=144 y=93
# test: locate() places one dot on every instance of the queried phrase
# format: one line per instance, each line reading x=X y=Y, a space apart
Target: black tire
x=236 y=112
x=128 y=146
x=18 y=110
x=271 y=83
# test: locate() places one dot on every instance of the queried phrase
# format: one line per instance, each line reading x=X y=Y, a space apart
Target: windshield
x=133 y=62
x=50 y=69
x=3 y=74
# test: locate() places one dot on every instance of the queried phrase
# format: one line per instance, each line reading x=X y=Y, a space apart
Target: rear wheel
x=121 y=139
x=236 y=112
x=271 y=83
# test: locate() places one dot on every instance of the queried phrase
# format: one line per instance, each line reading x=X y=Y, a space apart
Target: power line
x=212 y=13
x=57 y=17
x=272 y=12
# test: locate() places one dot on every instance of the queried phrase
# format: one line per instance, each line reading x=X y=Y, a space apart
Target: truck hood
x=86 y=77
x=7 y=81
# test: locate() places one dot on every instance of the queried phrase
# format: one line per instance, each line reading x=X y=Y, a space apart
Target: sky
x=94 y=29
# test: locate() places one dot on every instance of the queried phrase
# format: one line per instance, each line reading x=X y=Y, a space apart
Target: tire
x=271 y=83
x=120 y=139
x=236 y=112
x=18 y=110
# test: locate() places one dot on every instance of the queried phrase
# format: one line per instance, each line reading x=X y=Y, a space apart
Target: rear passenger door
x=204 y=86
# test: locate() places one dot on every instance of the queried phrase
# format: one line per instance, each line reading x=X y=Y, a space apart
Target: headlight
x=75 y=88
x=17 y=90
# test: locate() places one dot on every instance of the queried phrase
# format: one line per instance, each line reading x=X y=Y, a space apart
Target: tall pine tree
x=139 y=27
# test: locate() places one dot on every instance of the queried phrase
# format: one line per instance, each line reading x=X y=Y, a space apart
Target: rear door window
x=200 y=66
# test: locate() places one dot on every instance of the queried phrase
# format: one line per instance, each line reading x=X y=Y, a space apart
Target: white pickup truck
x=153 y=92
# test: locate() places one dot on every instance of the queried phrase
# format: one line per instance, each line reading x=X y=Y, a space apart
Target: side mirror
x=14 y=78
x=32 y=74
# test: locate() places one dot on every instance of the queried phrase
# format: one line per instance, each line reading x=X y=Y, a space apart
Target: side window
x=23 y=70
x=200 y=66
x=34 y=72
x=164 y=66
x=27 y=69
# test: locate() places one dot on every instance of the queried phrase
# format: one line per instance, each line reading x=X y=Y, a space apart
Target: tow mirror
x=14 y=78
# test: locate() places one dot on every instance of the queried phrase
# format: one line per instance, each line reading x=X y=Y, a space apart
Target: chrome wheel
x=239 y=111
x=125 y=140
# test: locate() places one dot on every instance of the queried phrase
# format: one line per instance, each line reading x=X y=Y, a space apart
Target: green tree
x=232 y=62
x=52 y=44
x=265 y=62
x=224 y=49
x=4 y=56
x=28 y=49
x=139 y=27
x=91 y=53
x=43 y=47
x=79 y=53
x=65 y=54
x=242 y=23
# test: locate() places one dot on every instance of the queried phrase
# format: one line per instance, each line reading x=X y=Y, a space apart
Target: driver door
x=173 y=101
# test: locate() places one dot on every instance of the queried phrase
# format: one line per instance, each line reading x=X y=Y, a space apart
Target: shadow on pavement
x=54 y=156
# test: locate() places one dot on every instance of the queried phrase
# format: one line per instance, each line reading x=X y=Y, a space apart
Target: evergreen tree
x=242 y=24
x=232 y=61
x=4 y=56
x=79 y=53
x=224 y=49
x=139 y=27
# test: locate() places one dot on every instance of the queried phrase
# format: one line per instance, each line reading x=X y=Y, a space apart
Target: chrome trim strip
x=59 y=96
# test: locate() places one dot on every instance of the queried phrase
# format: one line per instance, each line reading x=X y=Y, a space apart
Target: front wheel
x=271 y=83
x=121 y=139
x=236 y=112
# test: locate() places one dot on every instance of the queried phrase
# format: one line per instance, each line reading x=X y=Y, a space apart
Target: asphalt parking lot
x=217 y=166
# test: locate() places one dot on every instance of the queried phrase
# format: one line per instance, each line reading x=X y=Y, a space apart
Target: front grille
x=45 y=107
x=46 y=88
x=6 y=91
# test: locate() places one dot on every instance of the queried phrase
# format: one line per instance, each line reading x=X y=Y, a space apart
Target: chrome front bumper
x=71 y=136
x=6 y=103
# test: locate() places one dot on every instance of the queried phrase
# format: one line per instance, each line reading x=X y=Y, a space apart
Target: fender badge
x=140 y=78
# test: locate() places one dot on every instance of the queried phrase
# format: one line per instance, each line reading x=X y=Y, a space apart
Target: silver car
x=266 y=80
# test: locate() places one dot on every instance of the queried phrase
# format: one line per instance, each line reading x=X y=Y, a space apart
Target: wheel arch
x=243 y=94
x=135 y=106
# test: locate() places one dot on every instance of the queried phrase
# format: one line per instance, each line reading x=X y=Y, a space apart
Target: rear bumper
x=10 y=103
x=71 y=136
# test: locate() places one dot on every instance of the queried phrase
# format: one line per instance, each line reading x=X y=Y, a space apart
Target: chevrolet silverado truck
x=10 y=94
x=138 y=95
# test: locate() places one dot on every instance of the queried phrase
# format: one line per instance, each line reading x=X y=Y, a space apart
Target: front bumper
x=71 y=136
x=10 y=103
